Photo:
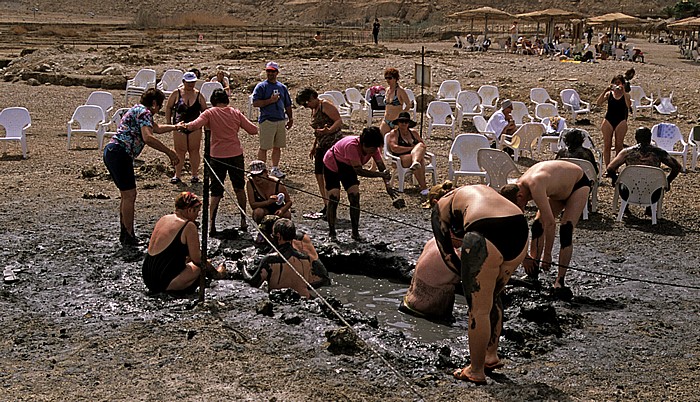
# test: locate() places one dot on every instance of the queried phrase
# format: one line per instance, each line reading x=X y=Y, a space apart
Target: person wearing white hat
x=272 y=97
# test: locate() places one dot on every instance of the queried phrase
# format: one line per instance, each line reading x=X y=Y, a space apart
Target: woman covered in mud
x=396 y=100
x=174 y=256
x=134 y=132
x=492 y=233
x=407 y=144
x=326 y=124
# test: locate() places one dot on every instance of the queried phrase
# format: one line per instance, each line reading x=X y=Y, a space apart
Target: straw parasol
x=550 y=16
x=615 y=20
x=687 y=24
x=482 y=12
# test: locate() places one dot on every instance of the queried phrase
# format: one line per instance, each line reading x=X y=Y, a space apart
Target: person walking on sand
x=135 y=132
x=375 y=30
x=492 y=233
x=272 y=97
x=555 y=186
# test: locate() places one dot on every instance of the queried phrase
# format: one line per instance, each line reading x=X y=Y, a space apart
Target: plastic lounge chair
x=343 y=111
x=144 y=79
x=540 y=95
x=694 y=146
x=465 y=147
x=551 y=137
x=489 y=97
x=208 y=88
x=640 y=100
x=355 y=99
x=413 y=107
x=482 y=127
x=448 y=91
x=103 y=99
x=572 y=102
x=90 y=120
x=641 y=185
x=666 y=136
x=170 y=81
x=339 y=99
x=372 y=113
x=440 y=115
x=520 y=113
x=400 y=172
x=253 y=112
x=498 y=165
x=470 y=105
x=545 y=110
x=15 y=121
x=522 y=140
x=589 y=171
x=665 y=106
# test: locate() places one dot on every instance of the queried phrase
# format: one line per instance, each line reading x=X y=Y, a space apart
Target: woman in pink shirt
x=342 y=164
x=226 y=151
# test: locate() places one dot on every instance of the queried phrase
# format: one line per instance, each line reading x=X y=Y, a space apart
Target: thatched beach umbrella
x=482 y=12
x=615 y=20
x=550 y=16
x=690 y=24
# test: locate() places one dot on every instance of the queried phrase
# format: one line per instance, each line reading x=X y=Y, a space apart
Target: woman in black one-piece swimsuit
x=615 y=122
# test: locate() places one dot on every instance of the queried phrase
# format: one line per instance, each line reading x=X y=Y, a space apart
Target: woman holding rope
x=226 y=151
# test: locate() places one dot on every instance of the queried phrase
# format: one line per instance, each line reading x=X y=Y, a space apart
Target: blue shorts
x=120 y=166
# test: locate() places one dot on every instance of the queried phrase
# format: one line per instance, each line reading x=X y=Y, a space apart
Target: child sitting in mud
x=298 y=250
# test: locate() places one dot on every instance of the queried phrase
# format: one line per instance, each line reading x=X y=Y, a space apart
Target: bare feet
x=466 y=374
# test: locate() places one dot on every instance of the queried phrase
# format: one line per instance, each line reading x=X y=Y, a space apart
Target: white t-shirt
x=497 y=123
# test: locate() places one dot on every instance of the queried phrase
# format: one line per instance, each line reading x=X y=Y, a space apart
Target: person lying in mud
x=279 y=274
x=556 y=187
x=174 y=256
x=492 y=233
x=342 y=164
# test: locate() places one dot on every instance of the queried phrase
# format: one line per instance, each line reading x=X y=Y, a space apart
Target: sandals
x=460 y=375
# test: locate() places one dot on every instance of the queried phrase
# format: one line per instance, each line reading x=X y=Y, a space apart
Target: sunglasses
x=388 y=77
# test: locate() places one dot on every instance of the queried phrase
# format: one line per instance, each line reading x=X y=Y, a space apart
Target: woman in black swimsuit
x=174 y=255
x=263 y=192
x=406 y=143
x=615 y=122
x=185 y=105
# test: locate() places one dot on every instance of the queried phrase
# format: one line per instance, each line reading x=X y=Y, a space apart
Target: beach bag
x=377 y=97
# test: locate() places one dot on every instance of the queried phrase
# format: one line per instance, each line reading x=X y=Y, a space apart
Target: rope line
x=315 y=292
x=627 y=278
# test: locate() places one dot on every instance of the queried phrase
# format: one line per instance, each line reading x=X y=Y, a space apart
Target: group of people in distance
x=480 y=235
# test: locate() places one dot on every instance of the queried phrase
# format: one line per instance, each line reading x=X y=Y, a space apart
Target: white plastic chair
x=498 y=166
x=90 y=120
x=589 y=171
x=170 y=81
x=400 y=172
x=520 y=112
x=470 y=105
x=413 y=107
x=619 y=54
x=208 y=88
x=572 y=102
x=641 y=185
x=355 y=99
x=482 y=127
x=489 y=97
x=339 y=99
x=465 y=147
x=253 y=112
x=587 y=143
x=665 y=106
x=640 y=100
x=15 y=121
x=440 y=115
x=144 y=79
x=666 y=136
x=552 y=135
x=694 y=146
x=545 y=110
x=115 y=121
x=540 y=95
x=372 y=113
x=343 y=111
x=522 y=140
x=103 y=99
x=448 y=91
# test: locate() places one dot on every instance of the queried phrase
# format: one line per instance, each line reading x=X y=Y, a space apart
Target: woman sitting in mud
x=174 y=255
x=264 y=193
x=407 y=144
x=492 y=232
x=281 y=275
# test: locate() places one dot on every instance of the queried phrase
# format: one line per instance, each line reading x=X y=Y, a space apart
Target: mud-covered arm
x=443 y=239
x=264 y=269
x=675 y=166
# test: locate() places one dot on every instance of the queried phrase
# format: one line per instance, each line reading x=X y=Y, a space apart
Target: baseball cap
x=272 y=66
x=189 y=77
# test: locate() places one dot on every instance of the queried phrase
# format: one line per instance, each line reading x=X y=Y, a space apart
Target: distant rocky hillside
x=332 y=12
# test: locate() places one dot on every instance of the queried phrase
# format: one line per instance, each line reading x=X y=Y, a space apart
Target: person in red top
x=226 y=151
x=342 y=164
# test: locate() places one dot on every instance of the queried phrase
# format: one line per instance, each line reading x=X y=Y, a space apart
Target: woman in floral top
x=135 y=131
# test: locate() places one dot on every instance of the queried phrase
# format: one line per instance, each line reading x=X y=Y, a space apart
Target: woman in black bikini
x=187 y=103
x=263 y=193
x=174 y=255
x=326 y=123
x=407 y=144
x=615 y=122
x=397 y=100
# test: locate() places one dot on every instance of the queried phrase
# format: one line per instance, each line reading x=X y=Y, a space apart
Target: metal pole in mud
x=205 y=214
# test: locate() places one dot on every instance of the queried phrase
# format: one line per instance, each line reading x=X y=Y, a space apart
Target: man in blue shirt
x=272 y=97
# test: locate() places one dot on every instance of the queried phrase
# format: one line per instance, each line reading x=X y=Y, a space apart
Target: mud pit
x=79 y=324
